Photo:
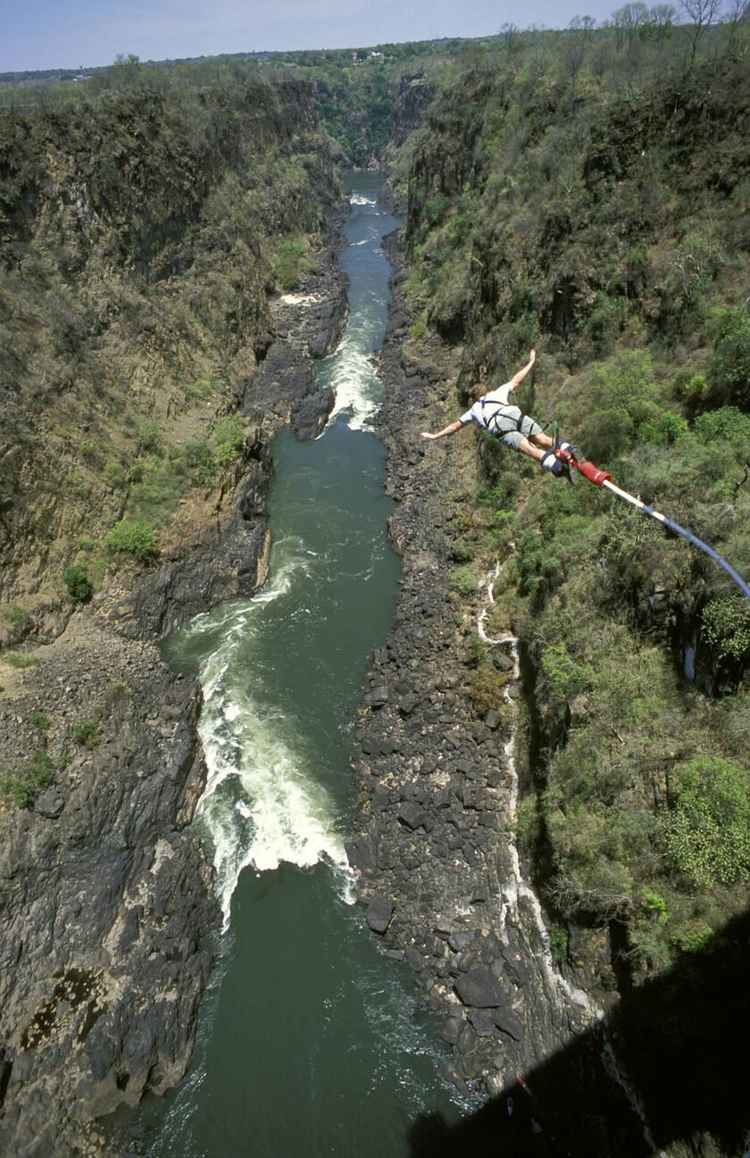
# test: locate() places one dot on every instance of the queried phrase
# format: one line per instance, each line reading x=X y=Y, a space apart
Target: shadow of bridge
x=683 y=1040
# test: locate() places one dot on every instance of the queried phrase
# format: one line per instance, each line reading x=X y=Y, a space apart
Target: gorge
x=159 y=335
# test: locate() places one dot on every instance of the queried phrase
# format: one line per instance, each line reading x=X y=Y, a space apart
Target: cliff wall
x=598 y=216
x=150 y=357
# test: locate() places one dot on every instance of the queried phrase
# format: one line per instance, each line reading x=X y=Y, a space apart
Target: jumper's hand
x=532 y=356
x=426 y=434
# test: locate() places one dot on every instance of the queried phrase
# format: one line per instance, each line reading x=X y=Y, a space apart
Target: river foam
x=355 y=382
x=262 y=804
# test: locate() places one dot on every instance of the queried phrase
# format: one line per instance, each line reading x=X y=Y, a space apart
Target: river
x=311 y=1041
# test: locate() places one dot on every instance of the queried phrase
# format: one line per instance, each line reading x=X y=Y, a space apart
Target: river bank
x=109 y=914
x=434 y=842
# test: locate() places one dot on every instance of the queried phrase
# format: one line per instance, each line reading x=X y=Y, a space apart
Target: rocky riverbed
x=108 y=916
x=434 y=842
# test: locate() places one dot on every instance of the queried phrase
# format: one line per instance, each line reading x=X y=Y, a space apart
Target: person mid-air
x=494 y=413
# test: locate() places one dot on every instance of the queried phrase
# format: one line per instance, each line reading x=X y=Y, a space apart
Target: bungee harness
x=514 y=423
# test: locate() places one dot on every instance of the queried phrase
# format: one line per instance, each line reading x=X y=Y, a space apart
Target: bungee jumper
x=493 y=413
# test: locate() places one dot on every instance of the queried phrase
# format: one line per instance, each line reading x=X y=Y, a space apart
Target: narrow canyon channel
x=311 y=1042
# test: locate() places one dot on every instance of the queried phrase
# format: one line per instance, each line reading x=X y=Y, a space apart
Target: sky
x=42 y=34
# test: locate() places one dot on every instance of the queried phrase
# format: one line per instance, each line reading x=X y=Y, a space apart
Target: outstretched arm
x=518 y=378
x=454 y=426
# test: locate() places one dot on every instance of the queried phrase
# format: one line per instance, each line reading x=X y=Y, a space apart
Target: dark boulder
x=411 y=814
x=480 y=988
x=379 y=914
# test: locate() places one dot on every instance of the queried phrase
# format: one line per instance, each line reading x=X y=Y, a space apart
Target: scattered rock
x=412 y=815
x=377 y=697
x=379 y=914
x=50 y=803
x=480 y=988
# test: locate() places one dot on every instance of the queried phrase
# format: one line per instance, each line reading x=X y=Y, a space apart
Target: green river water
x=311 y=1042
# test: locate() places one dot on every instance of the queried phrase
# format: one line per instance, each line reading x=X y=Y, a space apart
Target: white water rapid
x=262 y=803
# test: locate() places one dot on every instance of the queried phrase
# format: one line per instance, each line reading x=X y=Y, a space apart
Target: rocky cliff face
x=108 y=922
x=436 y=829
x=105 y=934
x=435 y=841
x=107 y=919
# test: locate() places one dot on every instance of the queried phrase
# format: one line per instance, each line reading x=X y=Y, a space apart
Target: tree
x=662 y=20
x=701 y=14
x=630 y=22
x=125 y=69
x=509 y=33
x=738 y=14
x=584 y=25
x=580 y=32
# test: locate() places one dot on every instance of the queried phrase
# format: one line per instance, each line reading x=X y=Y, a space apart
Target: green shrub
x=650 y=945
x=24 y=787
x=558 y=944
x=89 y=449
x=729 y=370
x=290 y=262
x=199 y=462
x=726 y=627
x=40 y=721
x=15 y=616
x=486 y=688
x=725 y=424
x=462 y=550
x=464 y=580
x=201 y=389
x=566 y=676
x=77 y=584
x=133 y=537
x=655 y=905
x=20 y=659
x=418 y=328
x=605 y=323
x=665 y=429
x=693 y=389
x=622 y=398
x=708 y=832
x=116 y=475
x=692 y=936
x=540 y=570
x=155 y=494
x=148 y=437
x=686 y=279
x=86 y=733
x=229 y=435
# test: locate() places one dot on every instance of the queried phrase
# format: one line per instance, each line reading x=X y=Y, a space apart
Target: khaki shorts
x=511 y=426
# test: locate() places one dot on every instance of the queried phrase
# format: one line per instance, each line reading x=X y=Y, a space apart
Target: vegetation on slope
x=142 y=227
x=587 y=193
x=366 y=98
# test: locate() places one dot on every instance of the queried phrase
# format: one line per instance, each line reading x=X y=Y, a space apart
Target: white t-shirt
x=482 y=414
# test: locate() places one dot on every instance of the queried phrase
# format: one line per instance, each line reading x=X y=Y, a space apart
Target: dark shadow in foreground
x=683 y=1041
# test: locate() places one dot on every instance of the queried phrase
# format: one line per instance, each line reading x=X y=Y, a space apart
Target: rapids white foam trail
x=352 y=369
x=354 y=379
x=261 y=804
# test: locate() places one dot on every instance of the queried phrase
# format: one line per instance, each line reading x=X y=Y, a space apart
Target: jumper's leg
x=526 y=447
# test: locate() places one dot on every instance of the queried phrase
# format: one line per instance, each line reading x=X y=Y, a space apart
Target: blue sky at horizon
x=44 y=34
